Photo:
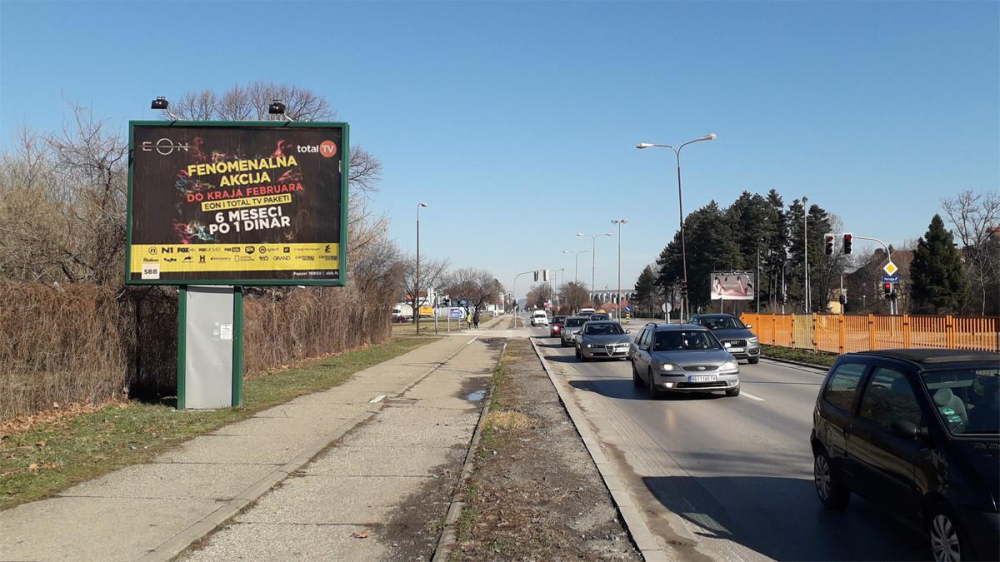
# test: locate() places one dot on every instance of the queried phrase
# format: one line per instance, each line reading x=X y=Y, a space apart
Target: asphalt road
x=728 y=478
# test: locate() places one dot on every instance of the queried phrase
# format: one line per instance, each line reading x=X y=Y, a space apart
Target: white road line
x=472 y=340
x=377 y=399
x=751 y=396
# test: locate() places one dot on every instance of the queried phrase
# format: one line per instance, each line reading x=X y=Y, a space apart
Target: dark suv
x=919 y=432
x=730 y=329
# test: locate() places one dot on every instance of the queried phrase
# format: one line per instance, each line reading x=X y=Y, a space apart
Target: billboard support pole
x=237 y=347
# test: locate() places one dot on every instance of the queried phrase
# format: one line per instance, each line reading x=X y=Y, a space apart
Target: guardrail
x=846 y=333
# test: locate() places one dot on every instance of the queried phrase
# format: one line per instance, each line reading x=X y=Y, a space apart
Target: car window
x=685 y=340
x=604 y=329
x=888 y=398
x=721 y=323
x=574 y=322
x=966 y=400
x=843 y=384
x=557 y=319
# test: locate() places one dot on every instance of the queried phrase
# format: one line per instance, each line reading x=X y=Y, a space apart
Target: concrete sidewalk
x=155 y=511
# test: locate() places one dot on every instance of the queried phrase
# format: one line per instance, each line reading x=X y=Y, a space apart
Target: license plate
x=702 y=378
x=735 y=350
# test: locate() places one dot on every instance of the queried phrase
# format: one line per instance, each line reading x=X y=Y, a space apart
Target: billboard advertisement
x=237 y=203
x=733 y=286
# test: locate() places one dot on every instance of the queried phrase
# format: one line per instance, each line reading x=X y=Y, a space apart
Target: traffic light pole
x=892 y=302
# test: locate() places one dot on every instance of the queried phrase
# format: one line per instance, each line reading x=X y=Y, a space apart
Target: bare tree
x=433 y=274
x=574 y=295
x=975 y=217
x=540 y=294
x=477 y=287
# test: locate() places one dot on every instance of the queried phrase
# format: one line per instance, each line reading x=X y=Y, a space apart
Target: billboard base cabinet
x=210 y=347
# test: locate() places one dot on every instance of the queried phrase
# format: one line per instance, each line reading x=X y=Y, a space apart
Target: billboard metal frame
x=345 y=159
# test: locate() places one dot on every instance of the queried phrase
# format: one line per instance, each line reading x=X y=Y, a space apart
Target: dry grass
x=506 y=422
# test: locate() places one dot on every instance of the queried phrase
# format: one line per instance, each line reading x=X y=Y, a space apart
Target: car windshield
x=575 y=322
x=967 y=400
x=722 y=323
x=558 y=319
x=609 y=328
x=683 y=340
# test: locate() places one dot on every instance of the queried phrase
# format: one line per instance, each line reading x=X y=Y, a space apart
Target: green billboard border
x=345 y=159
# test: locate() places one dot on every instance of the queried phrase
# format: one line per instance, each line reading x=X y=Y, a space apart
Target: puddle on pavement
x=476 y=396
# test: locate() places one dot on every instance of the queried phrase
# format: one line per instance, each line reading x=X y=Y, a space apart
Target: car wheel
x=636 y=379
x=653 y=392
x=733 y=392
x=949 y=543
x=753 y=360
x=830 y=490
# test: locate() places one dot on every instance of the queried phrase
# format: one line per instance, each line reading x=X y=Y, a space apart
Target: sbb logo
x=326 y=149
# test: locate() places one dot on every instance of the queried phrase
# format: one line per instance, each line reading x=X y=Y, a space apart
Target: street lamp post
x=680 y=200
x=416 y=296
x=576 y=266
x=805 y=250
x=619 y=222
x=593 y=253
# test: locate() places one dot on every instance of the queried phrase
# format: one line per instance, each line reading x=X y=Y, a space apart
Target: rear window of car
x=574 y=322
x=842 y=385
x=722 y=323
x=558 y=319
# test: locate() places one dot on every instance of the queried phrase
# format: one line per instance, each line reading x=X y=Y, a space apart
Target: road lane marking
x=377 y=399
x=472 y=340
x=751 y=396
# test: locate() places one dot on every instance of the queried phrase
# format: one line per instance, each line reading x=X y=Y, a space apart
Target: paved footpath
x=411 y=415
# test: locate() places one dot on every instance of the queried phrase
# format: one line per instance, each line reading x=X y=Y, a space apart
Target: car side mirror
x=749 y=326
x=908 y=430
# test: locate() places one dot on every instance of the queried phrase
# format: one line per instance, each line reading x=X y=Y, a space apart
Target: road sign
x=666 y=307
x=628 y=309
x=890 y=279
x=890 y=268
x=456 y=313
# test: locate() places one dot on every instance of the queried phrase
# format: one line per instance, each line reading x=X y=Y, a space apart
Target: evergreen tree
x=645 y=289
x=938 y=281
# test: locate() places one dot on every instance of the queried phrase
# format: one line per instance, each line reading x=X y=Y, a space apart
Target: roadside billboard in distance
x=733 y=285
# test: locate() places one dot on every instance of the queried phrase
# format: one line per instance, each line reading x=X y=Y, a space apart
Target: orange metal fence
x=845 y=333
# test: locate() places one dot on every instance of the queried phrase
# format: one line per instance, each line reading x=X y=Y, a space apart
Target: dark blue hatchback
x=917 y=431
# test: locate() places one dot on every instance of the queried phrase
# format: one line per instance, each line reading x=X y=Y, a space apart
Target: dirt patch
x=535 y=493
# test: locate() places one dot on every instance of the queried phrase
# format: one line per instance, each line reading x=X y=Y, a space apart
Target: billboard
x=733 y=286
x=237 y=203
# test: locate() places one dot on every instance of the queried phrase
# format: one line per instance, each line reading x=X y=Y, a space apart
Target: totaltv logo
x=326 y=149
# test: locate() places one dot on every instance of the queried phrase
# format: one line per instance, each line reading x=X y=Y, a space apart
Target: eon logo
x=164 y=146
x=326 y=149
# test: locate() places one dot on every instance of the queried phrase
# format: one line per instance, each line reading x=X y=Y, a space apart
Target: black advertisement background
x=159 y=200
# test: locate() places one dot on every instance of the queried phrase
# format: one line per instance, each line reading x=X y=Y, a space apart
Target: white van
x=539 y=318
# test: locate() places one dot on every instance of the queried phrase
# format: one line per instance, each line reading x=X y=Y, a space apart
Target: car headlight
x=729 y=365
x=753 y=339
x=588 y=345
x=669 y=367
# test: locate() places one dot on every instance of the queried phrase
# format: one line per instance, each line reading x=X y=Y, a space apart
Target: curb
x=636 y=526
x=797 y=363
x=449 y=537
x=179 y=543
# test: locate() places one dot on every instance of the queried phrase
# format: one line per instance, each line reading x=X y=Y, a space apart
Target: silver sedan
x=682 y=358
x=602 y=340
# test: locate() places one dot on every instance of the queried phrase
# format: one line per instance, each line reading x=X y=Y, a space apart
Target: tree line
x=952 y=271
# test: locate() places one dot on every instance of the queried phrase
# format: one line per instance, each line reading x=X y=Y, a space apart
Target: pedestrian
x=468 y=320
x=475 y=319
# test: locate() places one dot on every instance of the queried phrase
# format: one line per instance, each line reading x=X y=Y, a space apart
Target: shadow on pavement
x=781 y=518
x=625 y=390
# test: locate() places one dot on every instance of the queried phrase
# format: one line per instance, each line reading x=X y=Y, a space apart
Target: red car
x=555 y=327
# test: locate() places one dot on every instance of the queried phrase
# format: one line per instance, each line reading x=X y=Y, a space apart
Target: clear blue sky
x=516 y=122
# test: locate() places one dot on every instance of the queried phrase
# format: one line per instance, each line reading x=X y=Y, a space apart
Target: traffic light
x=829 y=244
x=848 y=243
x=843 y=299
x=887 y=288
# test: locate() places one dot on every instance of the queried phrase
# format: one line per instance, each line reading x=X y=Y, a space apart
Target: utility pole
x=805 y=252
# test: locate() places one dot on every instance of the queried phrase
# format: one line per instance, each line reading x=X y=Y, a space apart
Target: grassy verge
x=50 y=457
x=820 y=359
